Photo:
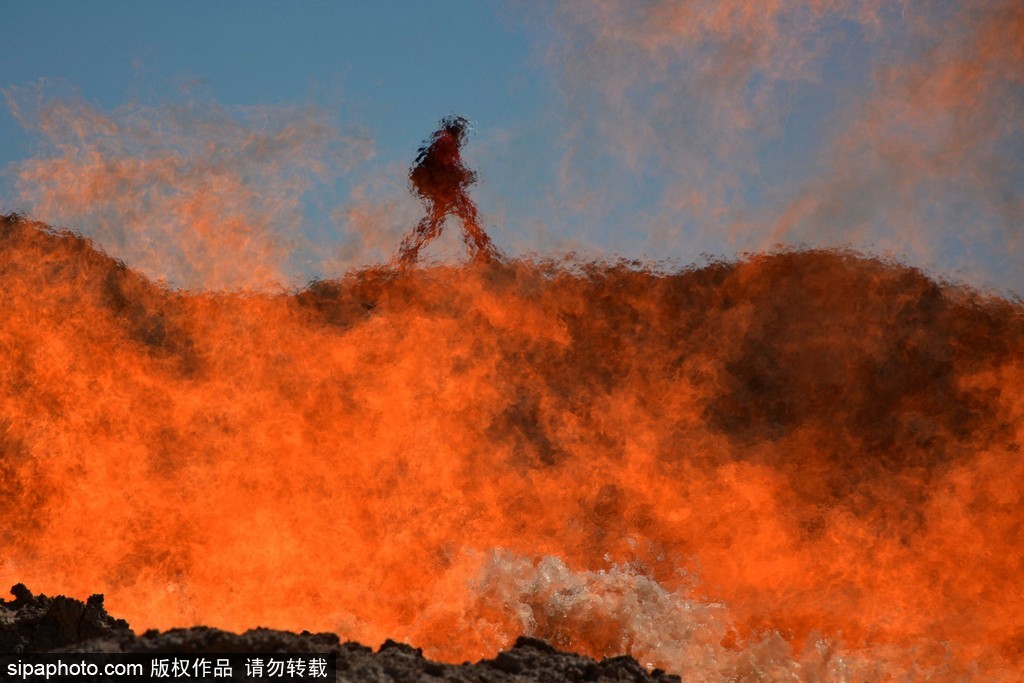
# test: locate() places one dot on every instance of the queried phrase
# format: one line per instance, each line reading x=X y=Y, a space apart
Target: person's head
x=456 y=126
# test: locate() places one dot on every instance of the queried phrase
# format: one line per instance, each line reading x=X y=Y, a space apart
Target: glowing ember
x=803 y=464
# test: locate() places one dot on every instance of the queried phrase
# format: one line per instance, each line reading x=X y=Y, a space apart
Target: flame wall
x=803 y=464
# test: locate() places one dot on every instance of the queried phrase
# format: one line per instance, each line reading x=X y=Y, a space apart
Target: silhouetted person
x=442 y=181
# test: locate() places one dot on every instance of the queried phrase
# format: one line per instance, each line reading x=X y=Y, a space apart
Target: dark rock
x=507 y=662
x=37 y=623
x=433 y=668
x=32 y=623
x=21 y=593
x=535 y=643
x=391 y=646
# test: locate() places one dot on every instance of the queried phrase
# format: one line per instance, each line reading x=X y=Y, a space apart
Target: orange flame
x=803 y=464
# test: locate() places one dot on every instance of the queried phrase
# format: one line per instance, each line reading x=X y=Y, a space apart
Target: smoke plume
x=191 y=193
x=891 y=127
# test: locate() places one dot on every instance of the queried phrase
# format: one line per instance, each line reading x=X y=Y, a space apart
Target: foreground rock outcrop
x=38 y=623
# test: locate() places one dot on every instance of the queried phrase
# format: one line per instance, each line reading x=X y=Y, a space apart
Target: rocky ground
x=37 y=623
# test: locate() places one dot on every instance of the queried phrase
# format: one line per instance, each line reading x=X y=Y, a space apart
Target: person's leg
x=477 y=242
x=427 y=229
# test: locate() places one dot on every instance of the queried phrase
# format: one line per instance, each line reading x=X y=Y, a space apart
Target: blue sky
x=400 y=64
x=661 y=130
